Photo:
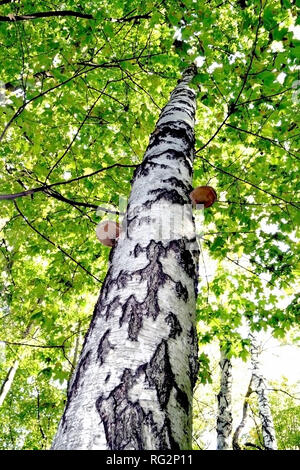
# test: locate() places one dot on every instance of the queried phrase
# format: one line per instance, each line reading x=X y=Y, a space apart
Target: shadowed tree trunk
x=259 y=386
x=224 y=419
x=239 y=429
x=132 y=387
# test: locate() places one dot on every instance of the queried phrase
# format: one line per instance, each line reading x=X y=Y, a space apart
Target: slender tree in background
x=224 y=418
x=235 y=439
x=8 y=381
x=259 y=386
x=132 y=388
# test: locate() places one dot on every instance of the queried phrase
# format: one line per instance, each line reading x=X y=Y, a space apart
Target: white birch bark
x=260 y=387
x=6 y=386
x=224 y=419
x=132 y=388
x=8 y=381
x=239 y=429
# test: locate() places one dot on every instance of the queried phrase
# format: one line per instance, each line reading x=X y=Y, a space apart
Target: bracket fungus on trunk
x=108 y=232
x=203 y=195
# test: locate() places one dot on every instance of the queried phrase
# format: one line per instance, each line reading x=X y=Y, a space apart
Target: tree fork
x=132 y=387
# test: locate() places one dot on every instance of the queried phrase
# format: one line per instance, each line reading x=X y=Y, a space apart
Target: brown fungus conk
x=205 y=195
x=108 y=232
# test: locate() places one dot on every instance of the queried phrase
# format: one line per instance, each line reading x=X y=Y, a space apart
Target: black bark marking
x=181 y=291
x=174 y=107
x=193 y=357
x=133 y=312
x=160 y=375
x=82 y=366
x=184 y=257
x=130 y=217
x=121 y=418
x=170 y=195
x=145 y=220
x=179 y=155
x=123 y=278
x=173 y=129
x=145 y=167
x=186 y=188
x=175 y=327
x=106 y=286
x=74 y=386
x=124 y=420
x=112 y=307
x=186 y=103
x=138 y=250
x=104 y=347
x=182 y=399
x=180 y=91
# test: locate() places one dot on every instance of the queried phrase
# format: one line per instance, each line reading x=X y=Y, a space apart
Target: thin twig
x=249 y=183
x=54 y=244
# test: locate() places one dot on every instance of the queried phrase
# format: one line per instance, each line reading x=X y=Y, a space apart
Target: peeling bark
x=132 y=388
x=224 y=419
x=260 y=387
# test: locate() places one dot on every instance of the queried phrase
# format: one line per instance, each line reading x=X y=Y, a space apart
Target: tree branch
x=283 y=391
x=234 y=103
x=273 y=142
x=76 y=134
x=31 y=345
x=44 y=14
x=249 y=270
x=252 y=56
x=132 y=18
x=249 y=183
x=54 y=244
x=266 y=98
x=21 y=194
x=44 y=188
x=76 y=204
x=249 y=444
x=214 y=135
x=92 y=66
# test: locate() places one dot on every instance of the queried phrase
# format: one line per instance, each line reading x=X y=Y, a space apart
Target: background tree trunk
x=9 y=379
x=239 y=429
x=7 y=383
x=259 y=386
x=224 y=419
x=132 y=388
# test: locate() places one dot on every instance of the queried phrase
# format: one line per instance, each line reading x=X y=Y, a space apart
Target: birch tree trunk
x=7 y=383
x=224 y=419
x=259 y=386
x=239 y=429
x=132 y=388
